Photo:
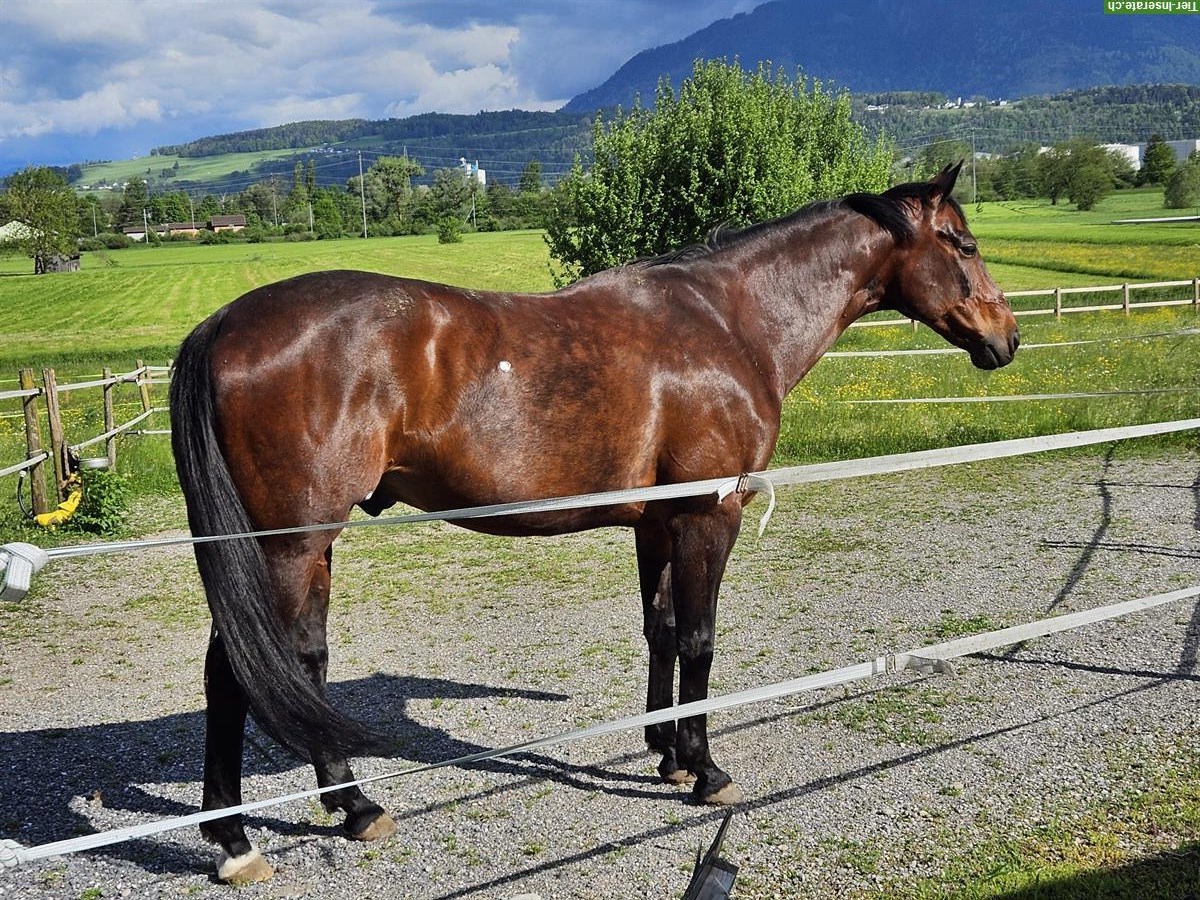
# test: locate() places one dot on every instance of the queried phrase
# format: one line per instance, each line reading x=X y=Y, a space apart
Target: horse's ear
x=942 y=184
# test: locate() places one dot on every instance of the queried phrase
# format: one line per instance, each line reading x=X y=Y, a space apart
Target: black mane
x=889 y=210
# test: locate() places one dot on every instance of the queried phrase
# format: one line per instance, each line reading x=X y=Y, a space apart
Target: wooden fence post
x=58 y=447
x=143 y=380
x=1196 y=292
x=1125 y=299
x=110 y=446
x=33 y=444
x=1058 y=303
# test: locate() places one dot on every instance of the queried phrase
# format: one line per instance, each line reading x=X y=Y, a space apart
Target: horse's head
x=941 y=280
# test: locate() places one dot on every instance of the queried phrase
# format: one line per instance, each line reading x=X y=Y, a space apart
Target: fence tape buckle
x=19 y=562
x=751 y=482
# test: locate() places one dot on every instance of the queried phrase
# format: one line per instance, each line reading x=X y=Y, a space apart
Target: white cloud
x=71 y=67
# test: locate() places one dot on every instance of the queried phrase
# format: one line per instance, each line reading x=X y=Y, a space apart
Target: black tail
x=283 y=697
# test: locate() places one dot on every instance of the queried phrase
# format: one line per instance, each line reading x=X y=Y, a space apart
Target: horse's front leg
x=700 y=547
x=365 y=820
x=654 y=578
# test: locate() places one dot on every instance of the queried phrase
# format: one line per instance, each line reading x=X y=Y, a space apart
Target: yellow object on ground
x=64 y=511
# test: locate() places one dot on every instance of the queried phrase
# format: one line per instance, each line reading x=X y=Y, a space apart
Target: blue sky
x=110 y=79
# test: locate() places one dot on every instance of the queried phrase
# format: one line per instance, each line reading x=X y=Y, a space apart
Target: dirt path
x=459 y=642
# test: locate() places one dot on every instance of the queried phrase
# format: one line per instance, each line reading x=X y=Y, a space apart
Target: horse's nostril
x=1016 y=340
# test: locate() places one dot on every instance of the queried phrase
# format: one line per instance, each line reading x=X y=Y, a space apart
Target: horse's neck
x=818 y=278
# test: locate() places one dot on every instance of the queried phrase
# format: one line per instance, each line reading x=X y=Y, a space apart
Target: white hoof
x=730 y=795
x=383 y=827
x=244 y=869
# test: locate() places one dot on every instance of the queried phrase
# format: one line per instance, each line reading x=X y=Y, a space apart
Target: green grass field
x=199 y=168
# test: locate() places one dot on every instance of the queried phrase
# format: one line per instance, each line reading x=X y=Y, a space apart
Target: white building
x=472 y=170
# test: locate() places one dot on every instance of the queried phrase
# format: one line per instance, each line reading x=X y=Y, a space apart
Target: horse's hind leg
x=654 y=578
x=225 y=719
x=365 y=820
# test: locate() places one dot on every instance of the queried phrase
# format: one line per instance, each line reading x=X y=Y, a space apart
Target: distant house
x=138 y=232
x=1184 y=149
x=216 y=223
x=227 y=223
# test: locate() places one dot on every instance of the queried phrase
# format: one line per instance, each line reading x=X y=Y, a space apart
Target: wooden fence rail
x=58 y=454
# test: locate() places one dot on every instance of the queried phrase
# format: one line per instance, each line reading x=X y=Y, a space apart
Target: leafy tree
x=449 y=230
x=1123 y=171
x=449 y=195
x=136 y=199
x=43 y=202
x=1158 y=163
x=208 y=207
x=730 y=146
x=388 y=190
x=1054 y=172
x=531 y=178
x=1090 y=175
x=936 y=156
x=1183 y=188
x=327 y=218
x=1015 y=175
x=93 y=217
x=1091 y=180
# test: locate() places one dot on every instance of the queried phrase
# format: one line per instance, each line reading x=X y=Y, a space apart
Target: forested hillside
x=505 y=142
x=1107 y=114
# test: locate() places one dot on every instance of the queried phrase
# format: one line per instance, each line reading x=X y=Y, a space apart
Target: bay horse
x=304 y=398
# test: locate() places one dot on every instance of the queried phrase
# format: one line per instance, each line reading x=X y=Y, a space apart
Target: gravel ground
x=458 y=642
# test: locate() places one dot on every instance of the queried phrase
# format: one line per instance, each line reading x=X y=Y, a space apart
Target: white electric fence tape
x=854 y=468
x=922 y=659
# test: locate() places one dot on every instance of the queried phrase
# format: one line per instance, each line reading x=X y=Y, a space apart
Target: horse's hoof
x=730 y=795
x=679 y=776
x=382 y=826
x=245 y=869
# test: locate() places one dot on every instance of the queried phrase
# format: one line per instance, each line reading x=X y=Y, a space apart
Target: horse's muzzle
x=995 y=353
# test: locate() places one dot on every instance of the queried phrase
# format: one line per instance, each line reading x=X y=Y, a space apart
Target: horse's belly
x=436 y=495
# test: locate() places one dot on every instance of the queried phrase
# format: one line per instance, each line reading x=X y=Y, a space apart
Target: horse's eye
x=969 y=249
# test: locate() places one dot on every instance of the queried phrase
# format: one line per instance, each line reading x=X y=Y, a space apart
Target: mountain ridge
x=970 y=48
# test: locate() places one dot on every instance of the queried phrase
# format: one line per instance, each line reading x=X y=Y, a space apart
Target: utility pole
x=192 y=207
x=310 y=216
x=145 y=225
x=362 y=193
x=974 y=193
